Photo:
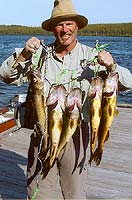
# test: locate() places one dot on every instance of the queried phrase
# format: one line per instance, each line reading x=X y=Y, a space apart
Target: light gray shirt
x=71 y=71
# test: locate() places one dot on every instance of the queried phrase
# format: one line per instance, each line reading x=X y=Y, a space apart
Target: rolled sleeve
x=125 y=78
x=9 y=73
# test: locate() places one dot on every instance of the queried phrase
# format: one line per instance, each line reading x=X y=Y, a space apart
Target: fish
x=56 y=106
x=37 y=86
x=71 y=117
x=39 y=106
x=109 y=109
x=95 y=94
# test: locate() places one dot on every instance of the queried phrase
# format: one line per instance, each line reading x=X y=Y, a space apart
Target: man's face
x=66 y=32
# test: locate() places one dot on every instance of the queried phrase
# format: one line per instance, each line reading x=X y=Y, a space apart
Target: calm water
x=120 y=47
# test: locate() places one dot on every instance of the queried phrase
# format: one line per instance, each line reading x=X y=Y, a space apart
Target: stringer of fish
x=63 y=121
x=108 y=106
x=95 y=94
x=56 y=106
x=38 y=100
x=71 y=117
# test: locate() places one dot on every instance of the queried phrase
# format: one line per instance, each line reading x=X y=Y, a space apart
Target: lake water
x=120 y=47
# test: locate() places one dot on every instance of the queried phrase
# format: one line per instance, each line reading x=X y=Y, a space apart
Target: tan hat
x=64 y=10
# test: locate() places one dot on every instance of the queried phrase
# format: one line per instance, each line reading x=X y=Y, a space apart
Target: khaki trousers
x=67 y=178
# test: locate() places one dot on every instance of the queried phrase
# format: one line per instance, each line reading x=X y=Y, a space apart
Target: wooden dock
x=111 y=180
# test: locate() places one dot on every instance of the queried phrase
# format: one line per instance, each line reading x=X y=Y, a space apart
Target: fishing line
x=41 y=169
x=41 y=163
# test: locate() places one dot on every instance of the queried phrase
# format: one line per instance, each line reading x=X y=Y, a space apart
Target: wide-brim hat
x=64 y=10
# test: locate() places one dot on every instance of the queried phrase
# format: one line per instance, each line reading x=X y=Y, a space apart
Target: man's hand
x=32 y=45
x=106 y=59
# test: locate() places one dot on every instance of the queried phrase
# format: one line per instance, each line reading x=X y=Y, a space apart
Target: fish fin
x=79 y=122
x=53 y=154
x=39 y=129
x=42 y=154
x=107 y=136
x=97 y=156
x=46 y=167
x=90 y=160
x=116 y=112
x=44 y=149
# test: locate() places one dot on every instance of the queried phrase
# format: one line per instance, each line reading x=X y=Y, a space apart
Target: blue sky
x=33 y=12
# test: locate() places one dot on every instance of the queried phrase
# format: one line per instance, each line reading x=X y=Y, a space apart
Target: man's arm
x=15 y=68
x=125 y=76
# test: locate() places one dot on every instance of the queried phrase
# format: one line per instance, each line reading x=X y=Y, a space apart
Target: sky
x=34 y=12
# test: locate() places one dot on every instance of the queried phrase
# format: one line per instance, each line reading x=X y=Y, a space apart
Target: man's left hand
x=106 y=59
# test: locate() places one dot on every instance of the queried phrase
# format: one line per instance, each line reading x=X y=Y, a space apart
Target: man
x=65 y=54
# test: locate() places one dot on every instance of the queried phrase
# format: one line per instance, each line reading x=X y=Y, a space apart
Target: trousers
x=67 y=178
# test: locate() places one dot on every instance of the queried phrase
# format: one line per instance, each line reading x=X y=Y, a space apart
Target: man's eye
x=69 y=24
x=58 y=26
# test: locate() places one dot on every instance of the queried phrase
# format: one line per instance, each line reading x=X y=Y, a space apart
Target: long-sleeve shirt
x=71 y=71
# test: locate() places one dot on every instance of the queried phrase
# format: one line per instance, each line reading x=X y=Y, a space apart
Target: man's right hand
x=32 y=45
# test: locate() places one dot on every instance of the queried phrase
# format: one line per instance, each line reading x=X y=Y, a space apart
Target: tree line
x=117 y=29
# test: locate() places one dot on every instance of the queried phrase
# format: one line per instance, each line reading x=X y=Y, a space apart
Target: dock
x=112 y=179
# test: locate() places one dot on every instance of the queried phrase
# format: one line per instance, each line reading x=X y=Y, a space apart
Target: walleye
x=71 y=117
x=109 y=101
x=56 y=106
x=38 y=100
x=95 y=94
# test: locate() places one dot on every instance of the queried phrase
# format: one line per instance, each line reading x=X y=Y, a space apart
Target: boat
x=10 y=115
x=7 y=119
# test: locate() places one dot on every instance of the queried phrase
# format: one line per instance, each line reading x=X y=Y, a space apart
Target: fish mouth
x=93 y=95
x=96 y=87
x=74 y=98
x=110 y=91
x=111 y=85
x=53 y=106
x=108 y=94
x=57 y=95
x=71 y=107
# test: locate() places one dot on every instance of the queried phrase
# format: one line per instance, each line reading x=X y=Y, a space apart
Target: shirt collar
x=70 y=53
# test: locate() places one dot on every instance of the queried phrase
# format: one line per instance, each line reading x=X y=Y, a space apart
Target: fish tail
x=46 y=167
x=53 y=154
x=44 y=149
x=98 y=156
